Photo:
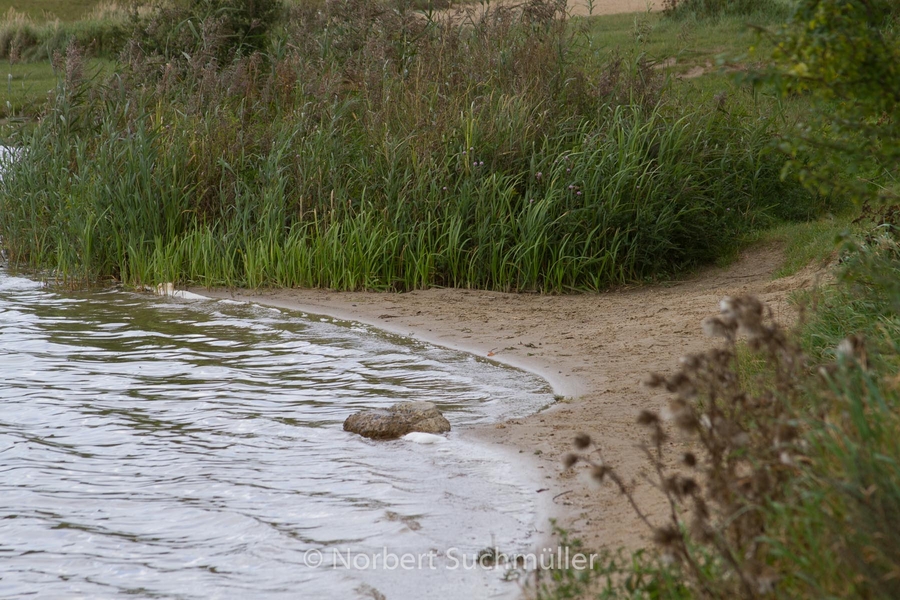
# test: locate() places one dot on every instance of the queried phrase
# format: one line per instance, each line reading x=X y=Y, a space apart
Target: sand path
x=595 y=349
x=612 y=7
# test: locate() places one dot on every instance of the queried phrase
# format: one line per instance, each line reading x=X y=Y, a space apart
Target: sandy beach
x=594 y=349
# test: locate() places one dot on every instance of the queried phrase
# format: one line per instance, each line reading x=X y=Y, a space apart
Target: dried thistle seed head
x=569 y=460
x=658 y=437
x=689 y=459
x=582 y=441
x=666 y=536
x=691 y=361
x=689 y=486
x=720 y=357
x=599 y=472
x=727 y=305
x=683 y=415
x=654 y=380
x=647 y=417
x=682 y=385
x=701 y=510
x=718 y=327
x=701 y=531
x=749 y=315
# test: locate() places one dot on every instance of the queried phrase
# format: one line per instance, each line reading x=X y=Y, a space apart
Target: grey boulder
x=397 y=421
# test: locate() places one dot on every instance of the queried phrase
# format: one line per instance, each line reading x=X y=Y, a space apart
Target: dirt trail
x=594 y=348
x=612 y=7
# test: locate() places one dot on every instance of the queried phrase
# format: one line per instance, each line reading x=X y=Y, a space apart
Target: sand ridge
x=595 y=349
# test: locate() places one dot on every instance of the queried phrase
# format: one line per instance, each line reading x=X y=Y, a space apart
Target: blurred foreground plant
x=768 y=449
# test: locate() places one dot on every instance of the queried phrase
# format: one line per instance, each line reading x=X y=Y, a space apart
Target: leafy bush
x=223 y=29
x=845 y=55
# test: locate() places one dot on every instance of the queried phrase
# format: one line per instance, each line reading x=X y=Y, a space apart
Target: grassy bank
x=386 y=151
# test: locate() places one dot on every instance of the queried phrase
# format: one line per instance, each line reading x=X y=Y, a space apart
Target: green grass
x=64 y=10
x=808 y=243
x=25 y=88
x=678 y=46
x=849 y=495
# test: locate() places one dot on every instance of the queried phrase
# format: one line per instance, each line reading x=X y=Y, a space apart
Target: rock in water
x=397 y=421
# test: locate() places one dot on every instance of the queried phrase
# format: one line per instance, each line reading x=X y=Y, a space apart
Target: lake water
x=162 y=448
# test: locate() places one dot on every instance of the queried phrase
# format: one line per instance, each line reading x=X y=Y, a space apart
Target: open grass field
x=25 y=87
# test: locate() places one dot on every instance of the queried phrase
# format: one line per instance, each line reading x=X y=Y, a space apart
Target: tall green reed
x=495 y=154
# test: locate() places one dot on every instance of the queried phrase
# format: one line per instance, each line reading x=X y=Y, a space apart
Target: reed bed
x=370 y=147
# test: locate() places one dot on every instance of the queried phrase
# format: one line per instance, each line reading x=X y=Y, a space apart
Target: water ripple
x=160 y=448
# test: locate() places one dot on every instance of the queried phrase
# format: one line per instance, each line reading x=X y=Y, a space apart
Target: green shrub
x=844 y=56
x=222 y=29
